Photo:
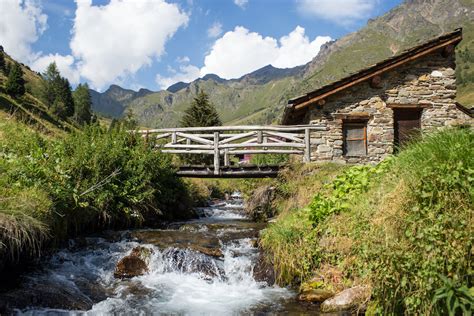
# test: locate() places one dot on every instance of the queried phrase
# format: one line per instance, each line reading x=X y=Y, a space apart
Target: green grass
x=90 y=179
x=408 y=230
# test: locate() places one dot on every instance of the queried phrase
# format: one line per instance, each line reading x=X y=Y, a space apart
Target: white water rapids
x=180 y=281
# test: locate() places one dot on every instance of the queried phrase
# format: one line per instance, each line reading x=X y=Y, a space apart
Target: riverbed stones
x=350 y=299
x=315 y=295
x=134 y=264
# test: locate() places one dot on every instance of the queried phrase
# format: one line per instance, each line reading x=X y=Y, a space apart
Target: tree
x=2 y=63
x=56 y=92
x=50 y=85
x=201 y=113
x=82 y=104
x=15 y=85
x=65 y=97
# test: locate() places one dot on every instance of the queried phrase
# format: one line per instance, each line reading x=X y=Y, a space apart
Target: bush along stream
x=52 y=189
x=207 y=266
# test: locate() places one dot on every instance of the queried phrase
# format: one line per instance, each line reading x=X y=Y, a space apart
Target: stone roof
x=301 y=104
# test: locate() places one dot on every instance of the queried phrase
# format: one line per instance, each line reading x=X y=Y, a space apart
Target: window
x=355 y=138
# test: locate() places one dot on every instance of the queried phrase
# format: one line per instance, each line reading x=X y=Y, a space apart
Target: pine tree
x=2 y=63
x=51 y=84
x=56 y=92
x=65 y=97
x=201 y=113
x=15 y=85
x=82 y=104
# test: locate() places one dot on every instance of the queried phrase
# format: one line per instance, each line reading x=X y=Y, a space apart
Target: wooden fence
x=234 y=140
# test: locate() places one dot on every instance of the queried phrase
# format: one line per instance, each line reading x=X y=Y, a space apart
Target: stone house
x=369 y=114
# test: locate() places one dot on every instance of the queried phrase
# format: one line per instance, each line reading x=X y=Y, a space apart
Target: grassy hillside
x=57 y=180
x=247 y=101
x=403 y=228
x=29 y=108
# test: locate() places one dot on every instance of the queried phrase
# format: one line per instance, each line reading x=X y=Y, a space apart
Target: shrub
x=92 y=178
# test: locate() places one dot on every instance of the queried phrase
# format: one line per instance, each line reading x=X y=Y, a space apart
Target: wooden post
x=307 y=142
x=226 y=157
x=146 y=138
x=173 y=138
x=259 y=137
x=188 y=142
x=216 y=154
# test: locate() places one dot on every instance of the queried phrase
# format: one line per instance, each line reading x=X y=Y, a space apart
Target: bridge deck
x=242 y=171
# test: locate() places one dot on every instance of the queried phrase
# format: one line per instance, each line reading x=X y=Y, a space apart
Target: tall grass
x=86 y=180
x=408 y=231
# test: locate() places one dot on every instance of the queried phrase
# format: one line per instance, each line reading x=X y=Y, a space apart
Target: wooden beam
x=187 y=151
x=275 y=128
x=194 y=138
x=293 y=145
x=266 y=151
x=216 y=154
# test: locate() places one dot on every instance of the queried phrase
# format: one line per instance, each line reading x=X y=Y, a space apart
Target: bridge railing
x=234 y=140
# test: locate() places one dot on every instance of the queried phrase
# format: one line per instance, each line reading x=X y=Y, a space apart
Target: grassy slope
x=234 y=102
x=403 y=227
x=29 y=108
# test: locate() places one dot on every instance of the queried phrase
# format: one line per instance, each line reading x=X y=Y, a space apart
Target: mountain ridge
x=260 y=96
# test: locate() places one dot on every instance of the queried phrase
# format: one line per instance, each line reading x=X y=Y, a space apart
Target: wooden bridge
x=223 y=142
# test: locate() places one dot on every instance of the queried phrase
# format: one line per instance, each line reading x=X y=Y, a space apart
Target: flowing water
x=182 y=279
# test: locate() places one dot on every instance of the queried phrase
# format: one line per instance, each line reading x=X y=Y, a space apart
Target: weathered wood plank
x=237 y=137
x=195 y=138
x=276 y=128
x=289 y=136
x=244 y=145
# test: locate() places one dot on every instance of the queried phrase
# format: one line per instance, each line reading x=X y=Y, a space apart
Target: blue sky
x=154 y=43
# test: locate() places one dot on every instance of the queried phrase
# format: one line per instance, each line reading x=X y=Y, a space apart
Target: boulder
x=263 y=270
x=315 y=295
x=213 y=252
x=350 y=299
x=259 y=206
x=134 y=264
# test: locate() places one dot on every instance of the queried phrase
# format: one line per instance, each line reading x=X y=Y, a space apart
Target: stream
x=199 y=267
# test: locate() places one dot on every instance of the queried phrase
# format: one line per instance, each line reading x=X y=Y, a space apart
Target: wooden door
x=407 y=123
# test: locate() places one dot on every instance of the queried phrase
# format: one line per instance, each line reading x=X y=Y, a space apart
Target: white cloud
x=240 y=51
x=186 y=73
x=65 y=66
x=21 y=23
x=183 y=60
x=339 y=11
x=215 y=30
x=241 y=3
x=113 y=41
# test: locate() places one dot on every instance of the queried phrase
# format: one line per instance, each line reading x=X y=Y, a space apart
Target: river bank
x=209 y=265
x=400 y=232
x=98 y=178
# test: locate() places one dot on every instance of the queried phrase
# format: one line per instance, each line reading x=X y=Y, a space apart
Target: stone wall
x=428 y=82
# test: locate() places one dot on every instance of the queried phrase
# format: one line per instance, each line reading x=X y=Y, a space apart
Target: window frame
x=345 y=140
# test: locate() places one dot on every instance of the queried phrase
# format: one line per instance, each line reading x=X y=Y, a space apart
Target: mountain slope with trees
x=260 y=97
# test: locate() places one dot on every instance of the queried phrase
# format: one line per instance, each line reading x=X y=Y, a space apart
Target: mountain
x=260 y=96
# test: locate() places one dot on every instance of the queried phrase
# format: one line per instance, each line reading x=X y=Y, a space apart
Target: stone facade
x=427 y=83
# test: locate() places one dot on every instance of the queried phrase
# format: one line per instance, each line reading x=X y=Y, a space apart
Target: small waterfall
x=180 y=281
